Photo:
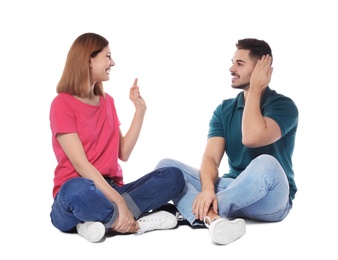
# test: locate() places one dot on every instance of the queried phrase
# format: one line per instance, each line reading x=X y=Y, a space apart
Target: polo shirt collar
x=240 y=98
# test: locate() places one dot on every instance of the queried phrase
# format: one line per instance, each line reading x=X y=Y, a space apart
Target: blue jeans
x=260 y=192
x=79 y=200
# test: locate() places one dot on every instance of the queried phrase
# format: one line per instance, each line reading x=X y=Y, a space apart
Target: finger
x=196 y=211
x=203 y=211
x=135 y=82
x=268 y=66
x=194 y=207
x=134 y=91
x=215 y=206
x=265 y=61
x=268 y=60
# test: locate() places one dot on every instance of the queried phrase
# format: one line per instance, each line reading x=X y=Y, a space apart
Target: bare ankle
x=212 y=215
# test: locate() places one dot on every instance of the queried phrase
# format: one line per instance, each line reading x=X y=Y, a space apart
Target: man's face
x=241 y=69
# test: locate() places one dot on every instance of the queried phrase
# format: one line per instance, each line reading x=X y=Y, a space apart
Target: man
x=256 y=130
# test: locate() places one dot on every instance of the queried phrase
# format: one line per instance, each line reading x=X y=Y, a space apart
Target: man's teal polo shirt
x=226 y=122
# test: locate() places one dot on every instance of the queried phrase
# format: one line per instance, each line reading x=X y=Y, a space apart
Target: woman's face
x=100 y=65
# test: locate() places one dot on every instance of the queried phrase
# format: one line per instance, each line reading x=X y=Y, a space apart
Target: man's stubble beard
x=242 y=86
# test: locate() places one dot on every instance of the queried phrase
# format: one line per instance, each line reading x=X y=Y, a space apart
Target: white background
x=181 y=52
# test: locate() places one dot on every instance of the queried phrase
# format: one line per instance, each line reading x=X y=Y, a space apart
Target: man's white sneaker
x=223 y=231
x=157 y=220
x=92 y=231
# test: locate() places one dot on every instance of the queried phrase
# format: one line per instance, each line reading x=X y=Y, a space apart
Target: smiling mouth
x=234 y=76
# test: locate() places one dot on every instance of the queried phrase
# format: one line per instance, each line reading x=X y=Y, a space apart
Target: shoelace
x=179 y=216
x=150 y=220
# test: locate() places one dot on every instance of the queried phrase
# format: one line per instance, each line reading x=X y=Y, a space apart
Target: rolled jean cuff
x=114 y=217
x=131 y=205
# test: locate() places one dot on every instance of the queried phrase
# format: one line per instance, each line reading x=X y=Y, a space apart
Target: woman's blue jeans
x=260 y=192
x=79 y=200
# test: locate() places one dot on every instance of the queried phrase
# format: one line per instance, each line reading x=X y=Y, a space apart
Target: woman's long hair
x=75 y=79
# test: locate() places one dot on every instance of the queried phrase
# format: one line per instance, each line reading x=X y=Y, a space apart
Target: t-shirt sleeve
x=278 y=111
x=62 y=117
x=215 y=124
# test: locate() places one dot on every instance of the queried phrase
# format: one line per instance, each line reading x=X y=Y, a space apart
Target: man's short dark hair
x=257 y=48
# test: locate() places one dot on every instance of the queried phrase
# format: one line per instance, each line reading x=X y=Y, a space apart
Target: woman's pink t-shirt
x=98 y=130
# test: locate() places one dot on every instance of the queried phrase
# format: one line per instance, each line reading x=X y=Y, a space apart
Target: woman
x=89 y=193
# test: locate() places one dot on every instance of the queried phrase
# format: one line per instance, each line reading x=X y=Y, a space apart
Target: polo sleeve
x=284 y=111
x=215 y=124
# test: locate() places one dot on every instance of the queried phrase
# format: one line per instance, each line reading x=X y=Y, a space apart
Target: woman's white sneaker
x=92 y=231
x=223 y=231
x=157 y=220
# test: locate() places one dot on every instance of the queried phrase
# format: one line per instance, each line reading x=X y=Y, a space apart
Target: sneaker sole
x=226 y=231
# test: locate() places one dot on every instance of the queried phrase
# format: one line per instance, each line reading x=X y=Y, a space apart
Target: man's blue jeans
x=260 y=192
x=79 y=200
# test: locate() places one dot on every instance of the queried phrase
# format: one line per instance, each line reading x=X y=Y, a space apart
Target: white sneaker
x=223 y=231
x=92 y=231
x=157 y=220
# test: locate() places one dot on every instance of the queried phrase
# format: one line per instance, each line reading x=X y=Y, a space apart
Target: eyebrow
x=241 y=61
